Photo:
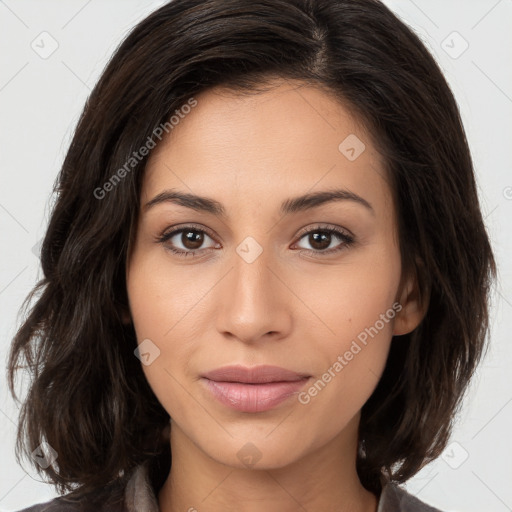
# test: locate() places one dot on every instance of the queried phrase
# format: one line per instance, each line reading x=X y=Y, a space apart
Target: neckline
x=141 y=496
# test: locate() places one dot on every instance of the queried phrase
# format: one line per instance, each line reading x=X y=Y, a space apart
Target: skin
x=288 y=307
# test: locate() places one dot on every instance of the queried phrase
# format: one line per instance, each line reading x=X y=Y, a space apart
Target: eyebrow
x=289 y=206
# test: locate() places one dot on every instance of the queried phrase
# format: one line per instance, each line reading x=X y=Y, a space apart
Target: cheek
x=162 y=298
x=164 y=306
x=350 y=299
x=357 y=307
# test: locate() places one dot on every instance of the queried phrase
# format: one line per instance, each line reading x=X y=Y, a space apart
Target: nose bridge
x=252 y=276
x=253 y=303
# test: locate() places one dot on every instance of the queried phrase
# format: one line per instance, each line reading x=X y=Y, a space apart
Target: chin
x=255 y=452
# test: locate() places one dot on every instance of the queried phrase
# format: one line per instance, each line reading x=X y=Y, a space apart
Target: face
x=310 y=286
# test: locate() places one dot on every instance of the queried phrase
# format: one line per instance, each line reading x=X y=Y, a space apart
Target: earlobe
x=414 y=306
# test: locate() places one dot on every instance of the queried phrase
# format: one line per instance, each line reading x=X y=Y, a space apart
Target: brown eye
x=192 y=239
x=321 y=240
x=185 y=241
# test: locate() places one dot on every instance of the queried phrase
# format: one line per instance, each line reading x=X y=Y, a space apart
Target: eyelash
x=346 y=238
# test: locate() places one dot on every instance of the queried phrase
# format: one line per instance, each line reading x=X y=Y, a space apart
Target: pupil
x=193 y=239
x=316 y=237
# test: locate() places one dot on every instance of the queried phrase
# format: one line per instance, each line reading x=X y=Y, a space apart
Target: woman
x=266 y=258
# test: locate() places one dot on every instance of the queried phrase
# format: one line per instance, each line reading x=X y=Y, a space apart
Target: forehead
x=290 y=139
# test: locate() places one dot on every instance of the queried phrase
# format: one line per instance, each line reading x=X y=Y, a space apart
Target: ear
x=414 y=299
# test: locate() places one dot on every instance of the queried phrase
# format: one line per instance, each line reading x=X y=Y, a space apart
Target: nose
x=253 y=300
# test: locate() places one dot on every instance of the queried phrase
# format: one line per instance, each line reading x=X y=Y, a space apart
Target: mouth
x=256 y=389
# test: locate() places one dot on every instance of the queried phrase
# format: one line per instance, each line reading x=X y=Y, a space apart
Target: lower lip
x=253 y=397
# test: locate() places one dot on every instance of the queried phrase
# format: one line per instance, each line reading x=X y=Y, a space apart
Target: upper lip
x=253 y=375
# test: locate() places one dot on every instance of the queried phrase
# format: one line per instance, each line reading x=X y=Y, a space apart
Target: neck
x=325 y=479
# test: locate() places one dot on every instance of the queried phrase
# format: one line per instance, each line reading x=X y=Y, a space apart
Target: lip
x=255 y=389
x=254 y=375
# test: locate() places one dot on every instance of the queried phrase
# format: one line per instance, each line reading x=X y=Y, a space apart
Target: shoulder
x=134 y=495
x=61 y=505
x=397 y=499
x=99 y=502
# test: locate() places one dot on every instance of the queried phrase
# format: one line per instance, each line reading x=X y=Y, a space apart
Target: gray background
x=42 y=94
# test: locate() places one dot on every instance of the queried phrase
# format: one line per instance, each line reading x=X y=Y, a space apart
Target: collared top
x=140 y=496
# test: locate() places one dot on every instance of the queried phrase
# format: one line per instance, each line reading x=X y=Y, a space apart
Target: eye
x=191 y=238
x=321 y=239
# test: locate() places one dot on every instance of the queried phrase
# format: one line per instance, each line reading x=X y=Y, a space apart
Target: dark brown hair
x=88 y=397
